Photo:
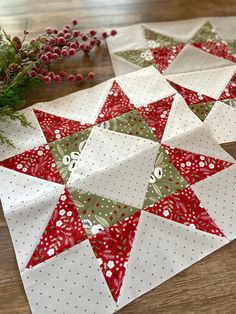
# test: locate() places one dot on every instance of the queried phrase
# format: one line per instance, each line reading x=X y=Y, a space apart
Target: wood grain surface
x=206 y=287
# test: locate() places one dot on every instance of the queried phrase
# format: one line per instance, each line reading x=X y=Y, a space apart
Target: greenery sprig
x=24 y=64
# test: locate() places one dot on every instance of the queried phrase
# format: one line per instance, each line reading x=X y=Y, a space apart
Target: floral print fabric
x=64 y=230
x=184 y=207
x=37 y=162
x=195 y=167
x=112 y=247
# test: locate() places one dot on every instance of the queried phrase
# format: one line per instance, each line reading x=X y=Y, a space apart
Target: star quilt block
x=101 y=201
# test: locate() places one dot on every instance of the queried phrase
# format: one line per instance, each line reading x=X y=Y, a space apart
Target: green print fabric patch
x=164 y=180
x=206 y=32
x=202 y=110
x=98 y=213
x=66 y=151
x=131 y=123
x=141 y=57
x=161 y=39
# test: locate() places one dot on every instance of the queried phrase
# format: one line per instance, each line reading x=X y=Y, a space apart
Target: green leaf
x=159 y=159
x=78 y=204
x=102 y=221
x=157 y=190
x=60 y=150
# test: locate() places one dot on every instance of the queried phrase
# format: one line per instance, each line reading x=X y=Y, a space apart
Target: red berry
x=60 y=33
x=71 y=77
x=61 y=41
x=32 y=73
x=113 y=32
x=49 y=55
x=67 y=26
x=44 y=72
x=47 y=79
x=74 y=46
x=44 y=58
x=75 y=33
x=92 y=32
x=93 y=43
x=55 y=56
x=52 y=41
x=83 y=47
x=67 y=36
x=65 y=52
x=79 y=77
x=74 y=22
x=62 y=74
x=98 y=42
x=57 y=78
x=49 y=31
x=51 y=74
x=47 y=48
x=84 y=37
x=55 y=31
x=65 y=30
x=56 y=50
x=91 y=75
x=104 y=35
x=72 y=52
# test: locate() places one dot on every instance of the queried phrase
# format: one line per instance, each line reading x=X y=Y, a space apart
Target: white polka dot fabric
x=83 y=106
x=210 y=82
x=200 y=141
x=218 y=195
x=145 y=86
x=23 y=138
x=191 y=59
x=222 y=122
x=161 y=249
x=116 y=166
x=71 y=282
x=18 y=189
x=27 y=223
x=180 y=120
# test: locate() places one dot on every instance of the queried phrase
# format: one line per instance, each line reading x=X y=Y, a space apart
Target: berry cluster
x=56 y=44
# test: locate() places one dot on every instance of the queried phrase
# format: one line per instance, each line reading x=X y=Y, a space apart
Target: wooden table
x=206 y=287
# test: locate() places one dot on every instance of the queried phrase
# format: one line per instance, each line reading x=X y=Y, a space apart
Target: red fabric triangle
x=230 y=90
x=195 y=167
x=191 y=97
x=156 y=115
x=55 y=127
x=37 y=162
x=112 y=247
x=63 y=231
x=163 y=57
x=115 y=104
x=184 y=207
x=216 y=48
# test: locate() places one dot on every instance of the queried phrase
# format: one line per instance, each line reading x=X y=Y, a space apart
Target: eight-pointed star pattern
x=110 y=225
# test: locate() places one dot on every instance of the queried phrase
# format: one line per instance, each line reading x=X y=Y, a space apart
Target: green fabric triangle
x=205 y=32
x=160 y=39
x=232 y=46
x=66 y=151
x=164 y=180
x=202 y=110
x=141 y=57
x=94 y=210
x=131 y=123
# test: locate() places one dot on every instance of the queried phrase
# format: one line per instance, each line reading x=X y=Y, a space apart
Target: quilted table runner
x=197 y=57
x=116 y=189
